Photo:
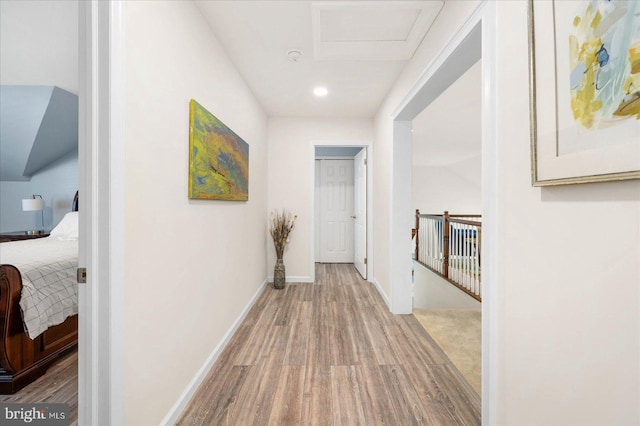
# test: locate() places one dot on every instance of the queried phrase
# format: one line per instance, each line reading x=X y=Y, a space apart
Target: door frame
x=475 y=37
x=312 y=153
x=101 y=161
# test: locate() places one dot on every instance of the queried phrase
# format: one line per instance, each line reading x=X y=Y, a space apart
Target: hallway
x=331 y=353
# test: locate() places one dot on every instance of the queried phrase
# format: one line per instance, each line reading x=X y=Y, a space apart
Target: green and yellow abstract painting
x=604 y=54
x=218 y=159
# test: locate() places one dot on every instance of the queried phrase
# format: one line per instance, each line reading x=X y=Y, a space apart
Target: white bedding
x=49 y=287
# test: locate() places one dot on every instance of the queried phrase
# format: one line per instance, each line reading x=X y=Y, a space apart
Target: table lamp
x=34 y=204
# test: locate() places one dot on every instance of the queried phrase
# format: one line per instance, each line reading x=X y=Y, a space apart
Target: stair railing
x=450 y=246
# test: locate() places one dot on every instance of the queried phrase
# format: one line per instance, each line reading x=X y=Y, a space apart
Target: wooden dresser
x=20 y=235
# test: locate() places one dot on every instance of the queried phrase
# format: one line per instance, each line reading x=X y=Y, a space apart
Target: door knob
x=353 y=217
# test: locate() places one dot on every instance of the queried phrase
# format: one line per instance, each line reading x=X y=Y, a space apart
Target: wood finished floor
x=330 y=353
x=59 y=384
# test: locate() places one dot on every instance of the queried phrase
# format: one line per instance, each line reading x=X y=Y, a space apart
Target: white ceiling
x=356 y=49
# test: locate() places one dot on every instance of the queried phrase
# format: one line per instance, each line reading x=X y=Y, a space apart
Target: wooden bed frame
x=23 y=360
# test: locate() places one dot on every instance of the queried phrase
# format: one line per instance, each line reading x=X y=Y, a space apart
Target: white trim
x=101 y=342
x=328 y=157
x=117 y=219
x=462 y=51
x=294 y=279
x=489 y=219
x=382 y=293
x=86 y=43
x=370 y=213
x=175 y=411
x=401 y=221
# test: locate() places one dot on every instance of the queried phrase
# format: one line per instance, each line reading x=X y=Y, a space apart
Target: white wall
x=39 y=43
x=291 y=178
x=569 y=274
x=191 y=265
x=447 y=143
x=449 y=20
x=450 y=187
x=431 y=291
x=57 y=183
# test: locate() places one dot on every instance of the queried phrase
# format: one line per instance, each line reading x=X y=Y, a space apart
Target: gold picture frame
x=563 y=150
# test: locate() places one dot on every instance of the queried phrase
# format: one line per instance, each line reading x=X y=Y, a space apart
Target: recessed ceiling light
x=320 y=91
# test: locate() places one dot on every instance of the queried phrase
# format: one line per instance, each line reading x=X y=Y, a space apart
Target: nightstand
x=20 y=235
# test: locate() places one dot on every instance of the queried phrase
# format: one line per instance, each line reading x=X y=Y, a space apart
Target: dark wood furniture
x=23 y=360
x=20 y=235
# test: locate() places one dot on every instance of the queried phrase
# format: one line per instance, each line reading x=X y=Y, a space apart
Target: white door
x=316 y=203
x=336 y=211
x=360 y=212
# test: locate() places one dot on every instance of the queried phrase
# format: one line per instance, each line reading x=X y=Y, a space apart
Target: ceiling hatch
x=371 y=30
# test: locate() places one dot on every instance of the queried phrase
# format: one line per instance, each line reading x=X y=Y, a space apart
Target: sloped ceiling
x=449 y=130
x=38 y=125
x=39 y=43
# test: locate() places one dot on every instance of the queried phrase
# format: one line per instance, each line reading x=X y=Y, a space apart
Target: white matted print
x=585 y=90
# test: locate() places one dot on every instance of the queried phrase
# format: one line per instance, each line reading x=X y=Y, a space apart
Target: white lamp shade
x=32 y=204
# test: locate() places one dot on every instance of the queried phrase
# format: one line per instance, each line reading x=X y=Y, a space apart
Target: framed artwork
x=584 y=58
x=218 y=159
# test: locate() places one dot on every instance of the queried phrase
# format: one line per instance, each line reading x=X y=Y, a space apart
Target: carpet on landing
x=459 y=333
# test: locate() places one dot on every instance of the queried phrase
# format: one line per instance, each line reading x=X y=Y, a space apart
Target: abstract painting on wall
x=585 y=90
x=218 y=159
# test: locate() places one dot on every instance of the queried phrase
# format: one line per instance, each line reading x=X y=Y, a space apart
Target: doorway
x=475 y=40
x=40 y=168
x=447 y=176
x=335 y=221
x=340 y=206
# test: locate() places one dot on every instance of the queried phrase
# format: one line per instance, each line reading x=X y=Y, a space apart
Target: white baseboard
x=382 y=293
x=183 y=400
x=289 y=279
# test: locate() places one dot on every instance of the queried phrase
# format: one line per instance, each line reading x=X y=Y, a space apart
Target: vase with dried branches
x=282 y=223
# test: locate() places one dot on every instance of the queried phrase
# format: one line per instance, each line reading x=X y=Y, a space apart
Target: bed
x=38 y=303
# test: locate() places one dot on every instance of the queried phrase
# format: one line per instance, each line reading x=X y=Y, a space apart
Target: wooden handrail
x=432 y=215
x=465 y=222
